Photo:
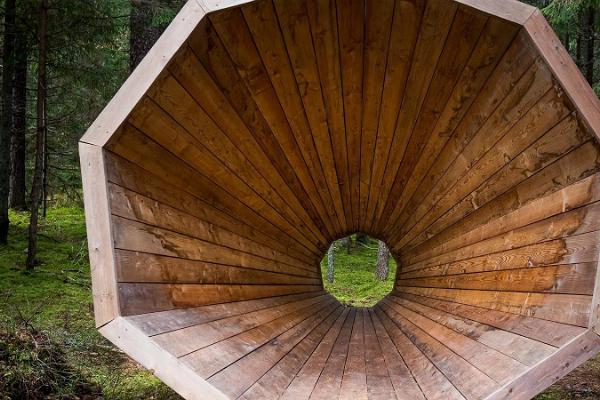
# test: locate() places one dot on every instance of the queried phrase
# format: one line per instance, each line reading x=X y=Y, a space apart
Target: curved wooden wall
x=460 y=138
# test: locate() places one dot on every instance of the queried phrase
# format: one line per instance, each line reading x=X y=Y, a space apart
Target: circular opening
x=354 y=271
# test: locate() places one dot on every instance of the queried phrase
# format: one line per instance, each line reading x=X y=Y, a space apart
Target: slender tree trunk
x=7 y=111
x=37 y=189
x=143 y=33
x=383 y=258
x=331 y=263
x=590 y=37
x=580 y=34
x=45 y=175
x=567 y=40
x=18 y=191
x=362 y=238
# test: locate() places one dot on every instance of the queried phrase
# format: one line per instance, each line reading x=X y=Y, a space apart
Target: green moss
x=56 y=299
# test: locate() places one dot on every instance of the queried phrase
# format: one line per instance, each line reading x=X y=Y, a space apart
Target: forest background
x=60 y=62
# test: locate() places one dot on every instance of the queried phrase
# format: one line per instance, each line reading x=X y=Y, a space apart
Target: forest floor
x=50 y=348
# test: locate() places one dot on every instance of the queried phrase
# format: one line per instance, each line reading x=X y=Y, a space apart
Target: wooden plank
x=142 y=298
x=99 y=233
x=264 y=27
x=354 y=380
x=295 y=26
x=526 y=351
x=330 y=379
x=405 y=29
x=190 y=339
x=575 y=249
x=515 y=63
x=149 y=69
x=565 y=70
x=566 y=279
x=460 y=44
x=437 y=22
x=235 y=178
x=305 y=380
x=233 y=31
x=543 y=118
x=551 y=369
x=494 y=364
x=278 y=379
x=129 y=175
x=323 y=24
x=434 y=384
x=510 y=10
x=529 y=90
x=238 y=377
x=471 y=382
x=172 y=320
x=166 y=367
x=574 y=222
x=137 y=267
x=133 y=206
x=495 y=44
x=548 y=332
x=379 y=384
x=214 y=60
x=210 y=360
x=141 y=150
x=532 y=187
x=135 y=236
x=235 y=147
x=562 y=308
x=405 y=386
x=351 y=35
x=378 y=30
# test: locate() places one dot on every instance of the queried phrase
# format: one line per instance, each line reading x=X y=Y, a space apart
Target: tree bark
x=383 y=258
x=37 y=189
x=18 y=191
x=331 y=263
x=590 y=37
x=143 y=33
x=7 y=111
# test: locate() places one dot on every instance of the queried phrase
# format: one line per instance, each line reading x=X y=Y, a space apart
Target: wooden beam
x=165 y=366
x=565 y=71
x=99 y=233
x=134 y=89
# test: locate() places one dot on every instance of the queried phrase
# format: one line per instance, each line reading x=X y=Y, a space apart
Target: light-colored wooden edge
x=510 y=10
x=594 y=324
x=565 y=71
x=546 y=372
x=99 y=233
x=161 y=363
x=216 y=5
x=136 y=86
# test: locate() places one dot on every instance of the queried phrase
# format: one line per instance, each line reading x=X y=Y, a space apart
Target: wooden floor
x=309 y=346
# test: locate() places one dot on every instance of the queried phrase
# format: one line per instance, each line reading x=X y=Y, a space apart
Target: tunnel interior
x=281 y=126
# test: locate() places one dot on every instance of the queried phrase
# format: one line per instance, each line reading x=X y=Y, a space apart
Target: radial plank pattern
x=257 y=132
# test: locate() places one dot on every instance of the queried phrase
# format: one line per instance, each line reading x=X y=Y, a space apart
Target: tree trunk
x=7 y=111
x=37 y=189
x=18 y=191
x=580 y=34
x=143 y=33
x=362 y=238
x=331 y=263
x=383 y=258
x=590 y=37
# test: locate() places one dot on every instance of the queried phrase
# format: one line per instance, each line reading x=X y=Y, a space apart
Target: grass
x=55 y=303
x=56 y=299
x=354 y=282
